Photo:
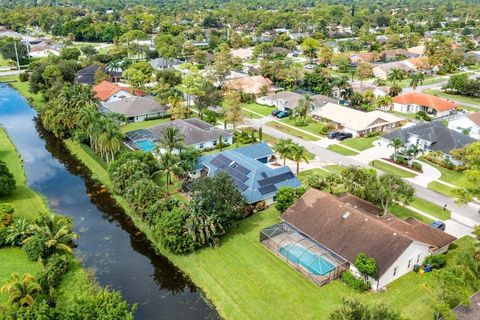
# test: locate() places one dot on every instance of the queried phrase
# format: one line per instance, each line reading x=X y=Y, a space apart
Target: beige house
x=254 y=85
x=356 y=122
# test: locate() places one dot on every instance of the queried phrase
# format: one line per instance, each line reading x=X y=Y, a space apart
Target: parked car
x=282 y=114
x=333 y=134
x=275 y=112
x=343 y=135
x=438 y=225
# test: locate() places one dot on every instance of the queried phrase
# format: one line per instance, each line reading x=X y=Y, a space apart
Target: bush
x=7 y=181
x=326 y=128
x=3 y=236
x=373 y=134
x=35 y=248
x=56 y=267
x=23 y=77
x=6 y=215
x=416 y=268
x=417 y=166
x=353 y=282
x=401 y=160
x=171 y=233
x=436 y=261
x=366 y=265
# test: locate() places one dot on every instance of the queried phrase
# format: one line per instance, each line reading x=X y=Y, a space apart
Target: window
x=201 y=145
x=225 y=140
x=418 y=259
x=409 y=263
x=215 y=142
x=395 y=271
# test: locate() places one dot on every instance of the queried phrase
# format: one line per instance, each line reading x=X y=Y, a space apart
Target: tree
x=169 y=164
x=395 y=75
x=416 y=80
x=383 y=102
x=284 y=147
x=172 y=232
x=412 y=152
x=391 y=189
x=7 y=180
x=353 y=309
x=177 y=109
x=366 y=265
x=396 y=144
x=101 y=75
x=171 y=139
x=395 y=91
x=70 y=53
x=222 y=64
x=310 y=47
x=359 y=182
x=470 y=155
x=327 y=182
x=364 y=71
x=234 y=114
x=298 y=154
x=284 y=198
x=169 y=46
x=7 y=50
x=21 y=291
x=204 y=229
x=139 y=74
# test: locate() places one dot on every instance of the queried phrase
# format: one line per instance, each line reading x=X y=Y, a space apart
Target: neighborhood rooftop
x=136 y=105
x=426 y=100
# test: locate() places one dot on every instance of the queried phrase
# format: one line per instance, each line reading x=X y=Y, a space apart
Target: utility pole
x=16 y=53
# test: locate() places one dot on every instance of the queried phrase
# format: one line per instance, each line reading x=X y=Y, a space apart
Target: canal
x=109 y=242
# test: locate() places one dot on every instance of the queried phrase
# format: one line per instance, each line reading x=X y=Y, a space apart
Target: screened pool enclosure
x=316 y=262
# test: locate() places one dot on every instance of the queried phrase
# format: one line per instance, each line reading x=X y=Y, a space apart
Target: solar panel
x=264 y=174
x=223 y=159
x=237 y=175
x=276 y=179
x=216 y=162
x=242 y=169
x=241 y=186
x=268 y=189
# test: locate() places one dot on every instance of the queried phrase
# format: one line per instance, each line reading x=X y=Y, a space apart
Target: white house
x=414 y=102
x=468 y=124
x=334 y=230
x=137 y=108
x=287 y=100
x=107 y=92
x=42 y=50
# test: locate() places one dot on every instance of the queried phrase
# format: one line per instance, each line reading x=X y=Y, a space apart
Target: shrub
x=436 y=261
x=401 y=160
x=366 y=265
x=416 y=268
x=353 y=282
x=7 y=181
x=17 y=232
x=35 y=248
x=3 y=236
x=373 y=134
x=6 y=214
x=285 y=197
x=56 y=267
x=171 y=233
x=326 y=128
x=417 y=165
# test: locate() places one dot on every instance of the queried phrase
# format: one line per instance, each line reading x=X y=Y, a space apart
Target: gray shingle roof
x=135 y=106
x=442 y=138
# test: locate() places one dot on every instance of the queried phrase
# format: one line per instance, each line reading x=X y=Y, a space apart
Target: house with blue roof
x=249 y=169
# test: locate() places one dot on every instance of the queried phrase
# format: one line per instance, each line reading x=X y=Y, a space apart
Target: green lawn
x=405 y=83
x=255 y=107
x=302 y=176
x=410 y=116
x=291 y=131
x=456 y=97
x=404 y=213
x=312 y=126
x=246 y=281
x=4 y=62
x=441 y=188
x=457 y=178
x=388 y=168
x=143 y=124
x=360 y=144
x=430 y=208
x=341 y=150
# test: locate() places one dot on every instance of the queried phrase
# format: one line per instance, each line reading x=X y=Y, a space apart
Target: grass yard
x=4 y=62
x=456 y=97
x=302 y=175
x=404 y=213
x=442 y=188
x=143 y=124
x=291 y=131
x=388 y=168
x=360 y=144
x=457 y=178
x=312 y=126
x=257 y=108
x=341 y=150
x=430 y=208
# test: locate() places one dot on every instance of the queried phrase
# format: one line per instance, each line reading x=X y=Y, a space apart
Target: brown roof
x=426 y=100
x=252 y=84
x=342 y=225
x=474 y=117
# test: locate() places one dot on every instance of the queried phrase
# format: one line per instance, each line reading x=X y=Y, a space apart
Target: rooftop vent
x=346 y=215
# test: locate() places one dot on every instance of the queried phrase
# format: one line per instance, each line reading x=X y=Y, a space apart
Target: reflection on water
x=109 y=242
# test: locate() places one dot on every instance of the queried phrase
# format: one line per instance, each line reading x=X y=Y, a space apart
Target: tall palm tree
x=88 y=121
x=283 y=147
x=383 y=102
x=169 y=164
x=57 y=232
x=171 y=139
x=396 y=144
x=413 y=151
x=110 y=140
x=21 y=291
x=298 y=153
x=395 y=75
x=417 y=80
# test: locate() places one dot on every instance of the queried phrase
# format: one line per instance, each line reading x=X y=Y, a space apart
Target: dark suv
x=333 y=134
x=343 y=135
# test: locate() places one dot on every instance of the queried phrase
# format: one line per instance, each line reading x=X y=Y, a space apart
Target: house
x=368 y=57
x=382 y=70
x=196 y=133
x=356 y=122
x=414 y=102
x=243 y=53
x=322 y=234
x=87 y=75
x=397 y=54
x=249 y=169
x=474 y=55
x=361 y=88
x=137 y=108
x=468 y=124
x=161 y=63
x=431 y=136
x=470 y=311
x=253 y=85
x=107 y=92
x=287 y=100
x=419 y=50
x=42 y=50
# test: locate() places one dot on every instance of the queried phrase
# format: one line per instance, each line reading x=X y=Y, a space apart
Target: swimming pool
x=309 y=260
x=145 y=145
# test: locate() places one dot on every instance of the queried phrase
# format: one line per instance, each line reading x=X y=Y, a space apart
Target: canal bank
x=109 y=241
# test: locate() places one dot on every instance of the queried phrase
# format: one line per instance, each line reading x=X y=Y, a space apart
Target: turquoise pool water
x=309 y=260
x=145 y=145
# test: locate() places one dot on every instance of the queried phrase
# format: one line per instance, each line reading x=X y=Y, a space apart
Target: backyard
x=143 y=124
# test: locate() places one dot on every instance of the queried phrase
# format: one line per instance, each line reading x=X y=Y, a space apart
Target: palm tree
x=283 y=147
x=57 y=232
x=379 y=82
x=413 y=151
x=396 y=74
x=383 y=101
x=396 y=144
x=204 y=229
x=169 y=163
x=417 y=79
x=21 y=291
x=88 y=122
x=298 y=153
x=111 y=140
x=171 y=139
